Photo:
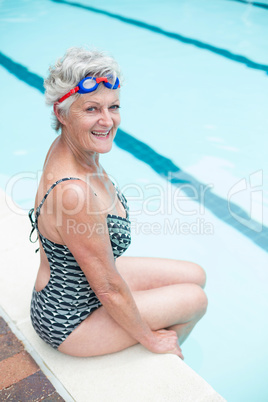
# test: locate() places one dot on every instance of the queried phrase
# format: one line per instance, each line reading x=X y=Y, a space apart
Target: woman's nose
x=105 y=118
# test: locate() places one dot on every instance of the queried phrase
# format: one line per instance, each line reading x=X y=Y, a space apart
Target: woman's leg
x=143 y=273
x=177 y=306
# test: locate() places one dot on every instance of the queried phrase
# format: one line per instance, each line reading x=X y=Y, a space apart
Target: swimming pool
x=194 y=119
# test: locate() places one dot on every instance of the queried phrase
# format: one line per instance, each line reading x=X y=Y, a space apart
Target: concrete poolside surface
x=134 y=374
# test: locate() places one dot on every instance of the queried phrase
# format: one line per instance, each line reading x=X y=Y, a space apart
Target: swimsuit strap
x=122 y=199
x=49 y=190
x=30 y=214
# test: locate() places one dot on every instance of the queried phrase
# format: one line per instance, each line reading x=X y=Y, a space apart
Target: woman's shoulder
x=67 y=191
x=74 y=192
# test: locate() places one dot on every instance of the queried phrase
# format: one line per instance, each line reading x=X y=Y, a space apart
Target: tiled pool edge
x=54 y=389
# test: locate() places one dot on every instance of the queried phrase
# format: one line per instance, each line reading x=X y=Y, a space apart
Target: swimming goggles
x=90 y=84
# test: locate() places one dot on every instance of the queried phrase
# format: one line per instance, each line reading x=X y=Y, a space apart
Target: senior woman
x=88 y=300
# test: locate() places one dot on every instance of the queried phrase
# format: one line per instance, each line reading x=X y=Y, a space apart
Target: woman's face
x=92 y=121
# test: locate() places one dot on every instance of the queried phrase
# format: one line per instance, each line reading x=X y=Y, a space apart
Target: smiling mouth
x=101 y=134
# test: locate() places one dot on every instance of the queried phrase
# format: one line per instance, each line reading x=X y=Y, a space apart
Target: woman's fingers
x=177 y=351
x=180 y=353
x=167 y=342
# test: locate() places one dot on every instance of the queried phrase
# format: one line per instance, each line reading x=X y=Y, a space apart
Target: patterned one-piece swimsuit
x=68 y=299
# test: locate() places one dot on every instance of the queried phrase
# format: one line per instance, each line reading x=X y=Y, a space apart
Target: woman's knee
x=199 y=274
x=201 y=302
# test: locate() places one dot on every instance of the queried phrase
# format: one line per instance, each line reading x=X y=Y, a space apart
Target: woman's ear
x=57 y=113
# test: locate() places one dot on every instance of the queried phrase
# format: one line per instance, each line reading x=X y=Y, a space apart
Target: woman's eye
x=115 y=107
x=91 y=109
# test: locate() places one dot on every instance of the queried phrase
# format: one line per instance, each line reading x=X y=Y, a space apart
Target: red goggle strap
x=71 y=92
x=101 y=79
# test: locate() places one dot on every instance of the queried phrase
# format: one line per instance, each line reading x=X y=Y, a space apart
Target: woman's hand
x=165 y=341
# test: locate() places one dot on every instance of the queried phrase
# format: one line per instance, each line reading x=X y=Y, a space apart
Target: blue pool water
x=194 y=119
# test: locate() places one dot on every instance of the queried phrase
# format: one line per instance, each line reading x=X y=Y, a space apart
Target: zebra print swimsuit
x=68 y=299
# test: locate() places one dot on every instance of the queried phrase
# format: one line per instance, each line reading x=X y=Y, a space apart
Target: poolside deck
x=34 y=371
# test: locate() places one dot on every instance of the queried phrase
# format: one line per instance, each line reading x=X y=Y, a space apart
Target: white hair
x=76 y=64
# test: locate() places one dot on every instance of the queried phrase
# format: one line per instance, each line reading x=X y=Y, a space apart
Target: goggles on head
x=90 y=84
